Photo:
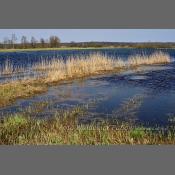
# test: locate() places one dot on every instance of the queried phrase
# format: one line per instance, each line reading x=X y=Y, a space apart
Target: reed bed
x=155 y=58
x=74 y=67
x=95 y=64
x=7 y=68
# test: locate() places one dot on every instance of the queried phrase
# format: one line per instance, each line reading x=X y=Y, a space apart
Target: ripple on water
x=138 y=77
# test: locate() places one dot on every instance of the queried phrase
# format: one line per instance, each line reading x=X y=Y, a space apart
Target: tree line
x=25 y=43
x=122 y=44
x=54 y=42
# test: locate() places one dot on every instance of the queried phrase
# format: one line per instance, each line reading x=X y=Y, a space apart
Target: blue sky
x=113 y=35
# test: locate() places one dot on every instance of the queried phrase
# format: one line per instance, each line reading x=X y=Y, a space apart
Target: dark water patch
x=157 y=80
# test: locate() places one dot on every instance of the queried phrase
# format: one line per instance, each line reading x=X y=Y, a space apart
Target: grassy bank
x=64 y=128
x=86 y=48
x=9 y=92
x=58 y=71
x=47 y=49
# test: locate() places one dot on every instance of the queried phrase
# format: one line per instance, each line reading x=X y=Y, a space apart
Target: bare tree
x=54 y=41
x=5 y=42
x=42 y=41
x=33 y=42
x=1 y=45
x=13 y=40
x=24 y=42
x=47 y=43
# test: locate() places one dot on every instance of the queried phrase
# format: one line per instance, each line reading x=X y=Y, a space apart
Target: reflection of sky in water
x=144 y=95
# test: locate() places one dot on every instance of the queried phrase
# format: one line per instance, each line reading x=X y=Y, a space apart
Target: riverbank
x=52 y=49
x=64 y=129
x=78 y=48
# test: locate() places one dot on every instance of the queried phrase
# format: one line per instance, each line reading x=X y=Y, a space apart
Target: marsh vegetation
x=64 y=128
x=69 y=126
x=56 y=71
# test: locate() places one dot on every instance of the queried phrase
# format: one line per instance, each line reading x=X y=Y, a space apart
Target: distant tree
x=54 y=41
x=47 y=43
x=1 y=45
x=13 y=40
x=33 y=42
x=24 y=42
x=42 y=42
x=5 y=42
x=72 y=44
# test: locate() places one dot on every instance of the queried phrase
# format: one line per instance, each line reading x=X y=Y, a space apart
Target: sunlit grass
x=48 y=49
x=65 y=128
x=94 y=65
x=18 y=89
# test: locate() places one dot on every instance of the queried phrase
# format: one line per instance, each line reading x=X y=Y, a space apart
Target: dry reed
x=8 y=68
x=95 y=64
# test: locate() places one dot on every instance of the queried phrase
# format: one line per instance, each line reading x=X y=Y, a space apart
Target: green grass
x=74 y=48
x=64 y=129
x=64 y=48
x=45 y=49
x=137 y=133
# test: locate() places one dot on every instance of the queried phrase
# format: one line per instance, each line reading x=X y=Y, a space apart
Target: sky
x=83 y=35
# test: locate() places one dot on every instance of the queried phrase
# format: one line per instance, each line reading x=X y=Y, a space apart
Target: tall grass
x=155 y=58
x=8 y=68
x=95 y=64
x=74 y=67
x=64 y=128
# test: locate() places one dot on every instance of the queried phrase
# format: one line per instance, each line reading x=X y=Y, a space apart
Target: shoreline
x=74 y=48
x=53 y=49
x=64 y=129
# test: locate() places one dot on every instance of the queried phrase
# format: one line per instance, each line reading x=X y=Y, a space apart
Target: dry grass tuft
x=95 y=64
x=8 y=68
x=19 y=89
x=155 y=58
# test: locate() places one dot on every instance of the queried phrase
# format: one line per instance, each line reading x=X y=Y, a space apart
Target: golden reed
x=94 y=64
